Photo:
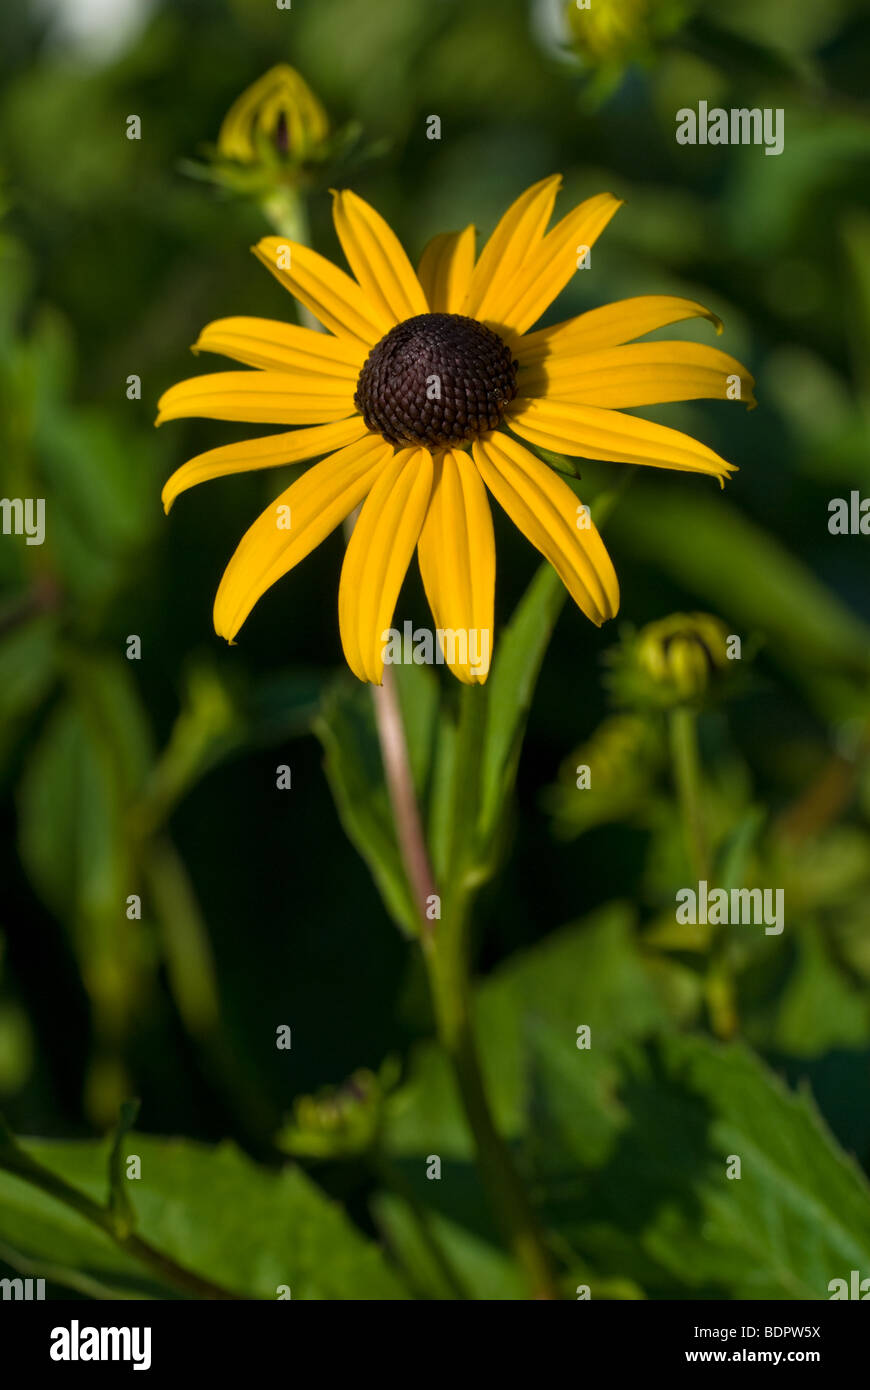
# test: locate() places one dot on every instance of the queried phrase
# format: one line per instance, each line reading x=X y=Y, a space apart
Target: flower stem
x=719 y=988
x=687 y=773
x=450 y=983
x=403 y=799
x=445 y=950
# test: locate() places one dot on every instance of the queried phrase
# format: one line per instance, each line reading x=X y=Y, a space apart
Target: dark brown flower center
x=436 y=380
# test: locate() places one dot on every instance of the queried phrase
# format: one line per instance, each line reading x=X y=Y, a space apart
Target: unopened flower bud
x=278 y=117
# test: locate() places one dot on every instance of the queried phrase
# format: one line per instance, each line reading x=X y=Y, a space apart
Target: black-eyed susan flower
x=422 y=398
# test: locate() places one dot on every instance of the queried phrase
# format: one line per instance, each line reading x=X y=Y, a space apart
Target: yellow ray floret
x=639 y=374
x=588 y=431
x=274 y=451
x=549 y=514
x=456 y=551
x=293 y=525
x=610 y=325
x=283 y=347
x=445 y=271
x=277 y=398
x=378 y=554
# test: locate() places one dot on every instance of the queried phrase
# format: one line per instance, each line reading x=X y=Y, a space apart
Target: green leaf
x=484 y=1271
x=71 y=820
x=736 y=851
x=587 y=973
x=211 y=1210
x=591 y=972
x=73 y=826
x=635 y=1173
x=509 y=692
x=100 y=484
x=28 y=667
x=730 y=563
x=91 y=758
x=819 y=1008
x=108 y=696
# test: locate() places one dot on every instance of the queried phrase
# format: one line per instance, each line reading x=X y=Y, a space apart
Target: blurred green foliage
x=155 y=779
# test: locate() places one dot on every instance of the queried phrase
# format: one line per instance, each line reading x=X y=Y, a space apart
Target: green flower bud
x=605 y=32
x=681 y=654
x=340 y=1121
x=675 y=661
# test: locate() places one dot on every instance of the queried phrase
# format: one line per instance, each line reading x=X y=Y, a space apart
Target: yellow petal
x=549 y=514
x=282 y=347
x=518 y=233
x=333 y=297
x=377 y=259
x=456 y=551
x=272 y=452
x=445 y=271
x=255 y=114
x=378 y=554
x=612 y=324
x=548 y=269
x=590 y=432
x=276 y=398
x=313 y=506
x=639 y=374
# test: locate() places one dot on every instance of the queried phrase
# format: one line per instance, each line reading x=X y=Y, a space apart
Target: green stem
x=403 y=798
x=445 y=949
x=687 y=774
x=719 y=984
x=287 y=211
x=446 y=958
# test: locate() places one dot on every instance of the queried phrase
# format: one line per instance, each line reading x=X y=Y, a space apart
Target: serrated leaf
x=644 y=1191
x=243 y=1227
